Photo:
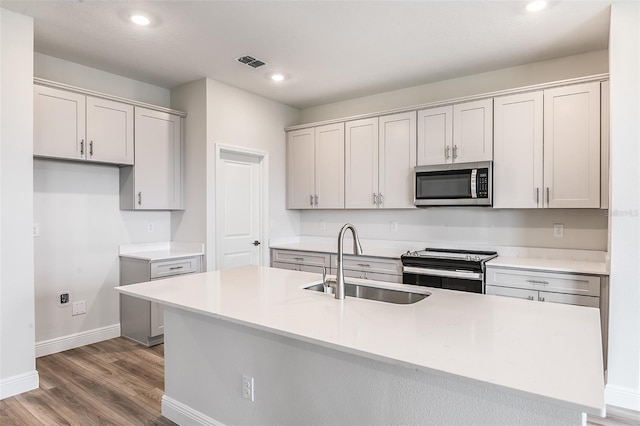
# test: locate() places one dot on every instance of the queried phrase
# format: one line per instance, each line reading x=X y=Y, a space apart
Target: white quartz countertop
x=551 y=265
x=161 y=251
x=545 y=351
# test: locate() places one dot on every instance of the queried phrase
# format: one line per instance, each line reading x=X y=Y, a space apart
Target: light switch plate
x=78 y=308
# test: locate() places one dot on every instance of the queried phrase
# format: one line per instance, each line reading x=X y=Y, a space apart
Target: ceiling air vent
x=251 y=61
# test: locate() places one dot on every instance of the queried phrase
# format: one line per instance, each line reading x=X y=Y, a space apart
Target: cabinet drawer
x=512 y=292
x=168 y=268
x=569 y=299
x=586 y=285
x=298 y=267
x=300 y=257
x=369 y=264
x=365 y=275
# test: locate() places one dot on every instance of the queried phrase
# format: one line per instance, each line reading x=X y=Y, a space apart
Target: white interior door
x=239 y=209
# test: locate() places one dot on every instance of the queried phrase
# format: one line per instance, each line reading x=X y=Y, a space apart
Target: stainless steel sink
x=377 y=293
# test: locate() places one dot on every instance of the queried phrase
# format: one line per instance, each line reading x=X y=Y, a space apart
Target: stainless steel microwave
x=458 y=184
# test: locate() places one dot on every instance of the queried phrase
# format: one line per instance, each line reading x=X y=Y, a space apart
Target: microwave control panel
x=482 y=183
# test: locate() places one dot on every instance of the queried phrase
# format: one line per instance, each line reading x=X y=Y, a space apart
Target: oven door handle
x=442 y=273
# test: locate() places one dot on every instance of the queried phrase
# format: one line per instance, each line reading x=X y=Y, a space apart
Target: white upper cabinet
x=435 y=135
x=456 y=134
x=155 y=182
x=315 y=167
x=74 y=126
x=59 y=123
x=361 y=164
x=518 y=139
x=380 y=157
x=109 y=131
x=301 y=145
x=473 y=131
x=547 y=148
x=572 y=146
x=397 y=160
x=329 y=189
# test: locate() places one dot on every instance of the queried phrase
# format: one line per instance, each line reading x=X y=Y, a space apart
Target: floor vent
x=251 y=61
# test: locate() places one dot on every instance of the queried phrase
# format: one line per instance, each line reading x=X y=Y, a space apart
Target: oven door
x=471 y=282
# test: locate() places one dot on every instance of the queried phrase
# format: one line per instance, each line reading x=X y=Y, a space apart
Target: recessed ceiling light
x=536 y=6
x=277 y=76
x=140 y=20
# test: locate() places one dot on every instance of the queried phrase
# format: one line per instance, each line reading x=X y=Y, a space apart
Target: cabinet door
x=158 y=154
x=572 y=146
x=59 y=123
x=361 y=168
x=518 y=139
x=605 y=142
x=473 y=131
x=157 y=320
x=301 y=168
x=511 y=292
x=435 y=136
x=109 y=131
x=397 y=160
x=329 y=150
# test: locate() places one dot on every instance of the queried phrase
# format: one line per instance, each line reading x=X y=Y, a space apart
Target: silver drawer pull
x=538 y=282
x=299 y=259
x=173 y=268
x=364 y=265
x=541 y=299
x=529 y=297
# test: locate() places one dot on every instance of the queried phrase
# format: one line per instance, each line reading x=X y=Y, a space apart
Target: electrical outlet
x=247 y=388
x=78 y=308
x=558 y=230
x=64 y=298
x=323 y=225
x=394 y=226
x=150 y=227
x=36 y=229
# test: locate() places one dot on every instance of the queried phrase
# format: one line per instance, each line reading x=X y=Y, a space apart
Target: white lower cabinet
x=141 y=320
x=305 y=261
x=572 y=289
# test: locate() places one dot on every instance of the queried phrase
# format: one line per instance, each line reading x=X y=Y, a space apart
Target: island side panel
x=296 y=382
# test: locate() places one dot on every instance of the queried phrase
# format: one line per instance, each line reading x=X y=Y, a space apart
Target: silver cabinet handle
x=538 y=282
x=364 y=265
x=446 y=152
x=299 y=259
x=380 y=199
x=91 y=148
x=547 y=196
x=537 y=196
x=311 y=200
x=82 y=147
x=139 y=198
x=375 y=199
x=316 y=197
x=541 y=299
x=455 y=152
x=176 y=268
x=529 y=297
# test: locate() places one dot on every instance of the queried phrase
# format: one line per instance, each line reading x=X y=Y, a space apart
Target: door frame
x=263 y=162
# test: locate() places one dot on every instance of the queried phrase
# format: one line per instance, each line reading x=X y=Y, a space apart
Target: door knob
x=256 y=243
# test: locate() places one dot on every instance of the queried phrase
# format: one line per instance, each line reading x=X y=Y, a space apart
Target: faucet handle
x=324 y=274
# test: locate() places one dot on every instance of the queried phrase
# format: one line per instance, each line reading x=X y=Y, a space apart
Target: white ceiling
x=333 y=50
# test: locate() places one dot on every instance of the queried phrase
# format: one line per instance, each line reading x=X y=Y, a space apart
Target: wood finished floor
x=119 y=382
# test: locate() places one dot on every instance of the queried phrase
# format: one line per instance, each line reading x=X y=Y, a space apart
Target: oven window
x=444 y=184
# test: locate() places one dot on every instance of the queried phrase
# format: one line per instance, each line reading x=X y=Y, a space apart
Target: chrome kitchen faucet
x=357 y=249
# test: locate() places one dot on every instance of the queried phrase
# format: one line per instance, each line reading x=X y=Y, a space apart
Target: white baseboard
x=15 y=385
x=59 y=344
x=619 y=396
x=182 y=414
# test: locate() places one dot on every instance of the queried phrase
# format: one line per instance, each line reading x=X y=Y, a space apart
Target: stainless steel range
x=461 y=270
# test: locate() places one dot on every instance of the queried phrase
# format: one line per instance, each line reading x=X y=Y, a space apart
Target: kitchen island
x=452 y=358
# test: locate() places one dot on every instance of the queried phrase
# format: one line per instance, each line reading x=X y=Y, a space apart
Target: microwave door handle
x=474 y=186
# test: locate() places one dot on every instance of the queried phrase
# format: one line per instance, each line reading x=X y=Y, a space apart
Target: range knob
x=477 y=259
x=467 y=258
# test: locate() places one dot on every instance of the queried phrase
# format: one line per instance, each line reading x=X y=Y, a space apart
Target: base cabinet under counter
x=306 y=261
x=141 y=320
